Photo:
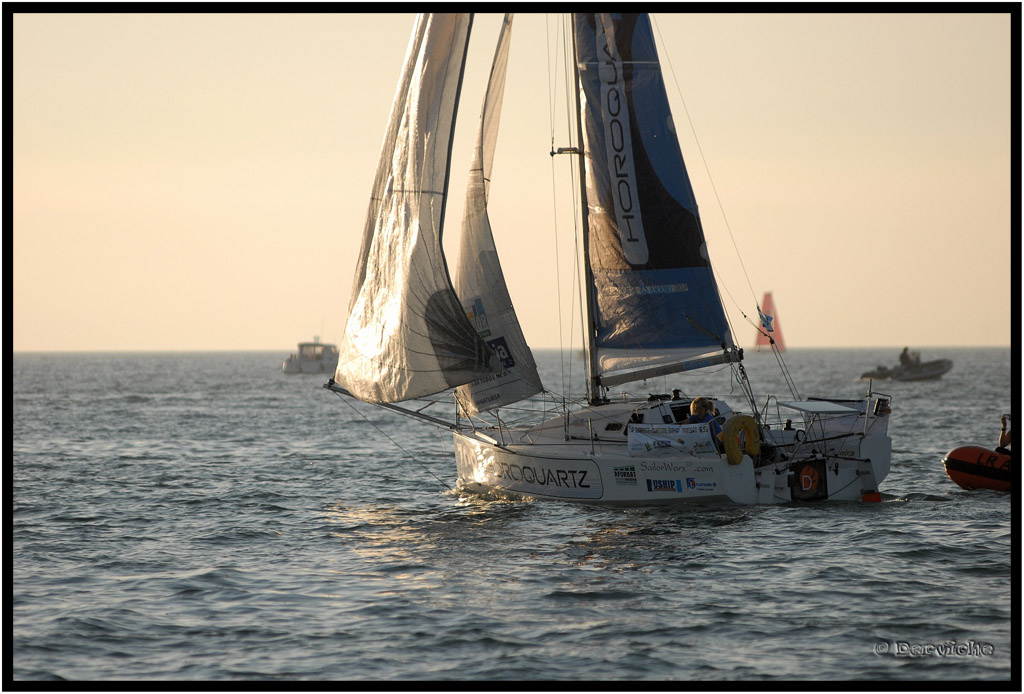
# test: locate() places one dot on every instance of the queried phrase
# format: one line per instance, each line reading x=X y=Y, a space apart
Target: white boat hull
x=295 y=366
x=597 y=478
x=576 y=473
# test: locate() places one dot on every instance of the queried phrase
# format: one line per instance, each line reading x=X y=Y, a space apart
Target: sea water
x=202 y=516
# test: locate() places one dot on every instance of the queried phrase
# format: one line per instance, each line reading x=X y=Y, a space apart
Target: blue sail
x=655 y=307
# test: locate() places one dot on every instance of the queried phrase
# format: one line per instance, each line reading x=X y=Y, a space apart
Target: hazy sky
x=193 y=182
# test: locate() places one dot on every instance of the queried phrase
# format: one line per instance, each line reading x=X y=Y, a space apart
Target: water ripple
x=203 y=517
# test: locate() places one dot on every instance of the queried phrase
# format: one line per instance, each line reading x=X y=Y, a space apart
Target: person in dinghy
x=1005 y=436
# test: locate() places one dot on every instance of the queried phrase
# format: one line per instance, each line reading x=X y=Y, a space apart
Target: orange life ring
x=735 y=445
x=808 y=478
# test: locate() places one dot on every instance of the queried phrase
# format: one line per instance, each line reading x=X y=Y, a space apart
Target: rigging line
x=551 y=86
x=569 y=89
x=574 y=124
x=790 y=383
x=707 y=169
x=739 y=371
x=398 y=445
x=562 y=50
x=554 y=195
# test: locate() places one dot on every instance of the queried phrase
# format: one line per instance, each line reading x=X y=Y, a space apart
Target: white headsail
x=406 y=334
x=479 y=281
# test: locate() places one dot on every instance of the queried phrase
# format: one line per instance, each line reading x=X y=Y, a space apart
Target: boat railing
x=522 y=418
x=834 y=427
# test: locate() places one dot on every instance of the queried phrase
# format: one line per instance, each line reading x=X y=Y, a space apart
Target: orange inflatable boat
x=974 y=467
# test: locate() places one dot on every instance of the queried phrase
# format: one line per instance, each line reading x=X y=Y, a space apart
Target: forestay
x=407 y=335
x=479 y=281
x=655 y=307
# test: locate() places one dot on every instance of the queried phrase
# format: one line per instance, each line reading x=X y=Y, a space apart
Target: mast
x=594 y=394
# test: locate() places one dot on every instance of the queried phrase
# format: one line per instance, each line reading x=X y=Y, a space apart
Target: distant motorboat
x=312 y=358
x=910 y=368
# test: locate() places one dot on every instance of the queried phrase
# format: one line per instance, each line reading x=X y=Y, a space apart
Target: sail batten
x=406 y=335
x=670 y=367
x=655 y=298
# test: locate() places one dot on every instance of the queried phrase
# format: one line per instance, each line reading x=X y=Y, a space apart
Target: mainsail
x=407 y=335
x=479 y=281
x=654 y=304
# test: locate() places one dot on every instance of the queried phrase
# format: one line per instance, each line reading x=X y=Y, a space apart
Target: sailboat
x=413 y=335
x=770 y=331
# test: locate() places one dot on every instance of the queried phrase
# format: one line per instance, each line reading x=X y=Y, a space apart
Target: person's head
x=700 y=406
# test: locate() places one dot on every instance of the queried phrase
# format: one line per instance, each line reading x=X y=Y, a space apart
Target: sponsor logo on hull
x=665 y=486
x=700 y=485
x=577 y=479
x=691 y=484
x=625 y=475
x=665 y=467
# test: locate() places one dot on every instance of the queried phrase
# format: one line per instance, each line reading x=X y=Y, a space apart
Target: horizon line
x=206 y=350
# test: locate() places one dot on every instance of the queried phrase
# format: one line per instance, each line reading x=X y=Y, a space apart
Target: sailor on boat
x=701 y=411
